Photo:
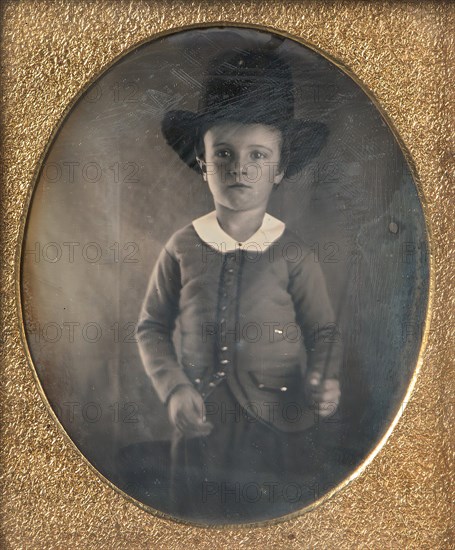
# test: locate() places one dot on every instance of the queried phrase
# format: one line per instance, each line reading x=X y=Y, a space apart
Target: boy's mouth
x=239 y=186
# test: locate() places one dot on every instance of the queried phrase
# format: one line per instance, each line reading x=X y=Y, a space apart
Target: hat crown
x=249 y=85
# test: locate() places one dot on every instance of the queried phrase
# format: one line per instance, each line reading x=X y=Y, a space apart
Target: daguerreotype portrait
x=224 y=275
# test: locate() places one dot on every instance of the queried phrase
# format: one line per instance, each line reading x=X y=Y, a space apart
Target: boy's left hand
x=325 y=393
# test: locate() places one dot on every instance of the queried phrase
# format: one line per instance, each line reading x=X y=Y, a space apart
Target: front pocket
x=280 y=383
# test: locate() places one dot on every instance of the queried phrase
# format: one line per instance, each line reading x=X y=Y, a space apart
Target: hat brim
x=181 y=130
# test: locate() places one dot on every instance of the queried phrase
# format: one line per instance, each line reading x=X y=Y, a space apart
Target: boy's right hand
x=187 y=412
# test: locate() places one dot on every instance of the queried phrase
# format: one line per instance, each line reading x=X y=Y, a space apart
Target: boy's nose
x=238 y=170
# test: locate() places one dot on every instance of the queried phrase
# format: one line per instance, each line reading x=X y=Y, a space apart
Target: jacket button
x=224 y=348
x=198 y=380
x=225 y=362
x=221 y=373
x=261 y=386
x=230 y=270
x=212 y=384
x=283 y=388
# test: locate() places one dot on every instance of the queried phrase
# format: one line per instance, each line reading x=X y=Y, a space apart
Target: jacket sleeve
x=156 y=327
x=315 y=316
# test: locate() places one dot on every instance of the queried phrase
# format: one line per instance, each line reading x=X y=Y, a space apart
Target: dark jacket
x=257 y=317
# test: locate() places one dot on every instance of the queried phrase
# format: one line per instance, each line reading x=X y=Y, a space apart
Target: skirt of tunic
x=244 y=470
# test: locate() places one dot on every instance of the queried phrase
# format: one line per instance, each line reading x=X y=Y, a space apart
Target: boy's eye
x=258 y=155
x=223 y=154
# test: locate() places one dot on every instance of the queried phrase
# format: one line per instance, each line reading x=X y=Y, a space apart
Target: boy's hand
x=187 y=412
x=325 y=393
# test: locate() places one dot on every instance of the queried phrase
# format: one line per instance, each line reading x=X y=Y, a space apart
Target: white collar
x=209 y=230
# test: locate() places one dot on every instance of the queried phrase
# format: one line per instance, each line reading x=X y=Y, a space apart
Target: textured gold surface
x=402 y=53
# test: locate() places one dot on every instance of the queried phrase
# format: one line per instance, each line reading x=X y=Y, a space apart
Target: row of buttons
x=227 y=280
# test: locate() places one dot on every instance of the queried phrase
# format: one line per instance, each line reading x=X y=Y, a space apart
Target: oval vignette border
x=19 y=258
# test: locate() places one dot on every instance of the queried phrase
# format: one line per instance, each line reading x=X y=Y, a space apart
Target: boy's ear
x=278 y=177
x=203 y=167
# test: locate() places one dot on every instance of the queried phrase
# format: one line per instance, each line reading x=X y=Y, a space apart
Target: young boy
x=257 y=362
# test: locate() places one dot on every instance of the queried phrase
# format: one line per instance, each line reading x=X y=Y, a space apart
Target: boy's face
x=242 y=163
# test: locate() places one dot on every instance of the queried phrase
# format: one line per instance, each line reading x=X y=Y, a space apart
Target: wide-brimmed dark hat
x=250 y=87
